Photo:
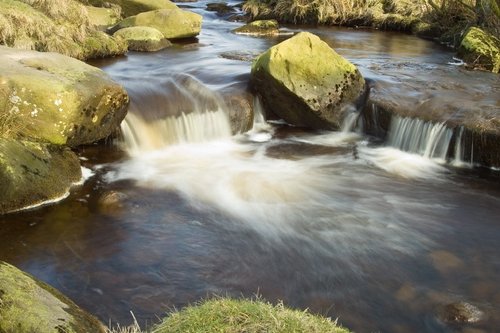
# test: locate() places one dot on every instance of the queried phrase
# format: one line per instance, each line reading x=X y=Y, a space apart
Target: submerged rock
x=34 y=173
x=460 y=313
x=259 y=28
x=144 y=39
x=172 y=23
x=221 y=8
x=305 y=82
x=480 y=50
x=28 y=305
x=56 y=99
x=240 y=111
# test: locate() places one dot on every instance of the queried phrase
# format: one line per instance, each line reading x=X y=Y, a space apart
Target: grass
x=54 y=25
x=225 y=315
x=445 y=19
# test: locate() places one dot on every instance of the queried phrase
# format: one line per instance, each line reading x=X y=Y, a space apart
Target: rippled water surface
x=335 y=222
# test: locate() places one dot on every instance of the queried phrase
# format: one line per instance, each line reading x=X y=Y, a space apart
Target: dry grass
x=447 y=19
x=54 y=25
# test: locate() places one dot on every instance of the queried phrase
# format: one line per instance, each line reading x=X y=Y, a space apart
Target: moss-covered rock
x=28 y=305
x=229 y=315
x=33 y=173
x=144 y=39
x=134 y=7
x=305 y=82
x=172 y=23
x=57 y=99
x=480 y=50
x=259 y=27
x=103 y=17
x=61 y=26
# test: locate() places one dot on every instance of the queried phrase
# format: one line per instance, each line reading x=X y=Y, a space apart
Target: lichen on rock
x=480 y=50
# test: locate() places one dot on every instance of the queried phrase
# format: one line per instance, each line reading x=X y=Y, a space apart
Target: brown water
x=333 y=222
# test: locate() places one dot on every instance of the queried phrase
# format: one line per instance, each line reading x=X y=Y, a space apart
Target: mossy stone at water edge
x=103 y=17
x=260 y=27
x=134 y=7
x=145 y=39
x=305 y=82
x=28 y=305
x=480 y=50
x=58 y=99
x=172 y=23
x=33 y=173
x=249 y=316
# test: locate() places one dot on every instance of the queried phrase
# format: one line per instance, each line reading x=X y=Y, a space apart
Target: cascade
x=203 y=117
x=428 y=139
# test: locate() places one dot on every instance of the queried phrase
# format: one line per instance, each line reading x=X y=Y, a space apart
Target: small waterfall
x=428 y=139
x=349 y=123
x=200 y=115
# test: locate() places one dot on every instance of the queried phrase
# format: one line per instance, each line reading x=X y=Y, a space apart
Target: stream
x=339 y=223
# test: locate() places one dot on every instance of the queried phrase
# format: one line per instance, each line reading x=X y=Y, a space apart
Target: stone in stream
x=134 y=7
x=143 y=39
x=52 y=98
x=102 y=17
x=28 y=305
x=305 y=82
x=221 y=8
x=259 y=28
x=240 y=111
x=33 y=173
x=172 y=23
x=111 y=202
x=460 y=313
x=480 y=50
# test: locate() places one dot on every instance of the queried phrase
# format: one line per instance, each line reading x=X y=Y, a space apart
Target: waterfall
x=428 y=139
x=153 y=123
x=349 y=122
x=459 y=159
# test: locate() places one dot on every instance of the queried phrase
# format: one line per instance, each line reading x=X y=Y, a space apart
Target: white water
x=430 y=140
x=459 y=156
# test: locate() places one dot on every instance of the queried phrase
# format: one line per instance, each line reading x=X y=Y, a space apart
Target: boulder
x=103 y=17
x=31 y=25
x=480 y=50
x=305 y=82
x=143 y=39
x=28 y=305
x=259 y=28
x=57 y=99
x=172 y=23
x=33 y=173
x=240 y=110
x=221 y=8
x=134 y=7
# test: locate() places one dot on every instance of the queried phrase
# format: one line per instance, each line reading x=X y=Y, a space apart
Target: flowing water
x=381 y=235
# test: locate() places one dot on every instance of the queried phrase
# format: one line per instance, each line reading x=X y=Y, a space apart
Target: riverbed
x=340 y=223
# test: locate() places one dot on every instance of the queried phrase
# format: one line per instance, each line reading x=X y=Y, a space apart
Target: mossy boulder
x=57 y=99
x=172 y=23
x=305 y=82
x=480 y=50
x=229 y=315
x=143 y=39
x=102 y=17
x=134 y=7
x=61 y=26
x=34 y=173
x=28 y=305
x=259 y=28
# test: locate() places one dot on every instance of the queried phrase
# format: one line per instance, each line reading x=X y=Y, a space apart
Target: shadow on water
x=327 y=221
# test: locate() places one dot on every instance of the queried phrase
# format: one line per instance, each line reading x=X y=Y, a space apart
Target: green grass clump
x=224 y=315
x=60 y=26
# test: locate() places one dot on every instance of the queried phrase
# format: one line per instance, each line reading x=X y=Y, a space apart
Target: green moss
x=259 y=27
x=103 y=17
x=28 y=305
x=172 y=23
x=134 y=7
x=249 y=316
x=144 y=39
x=481 y=50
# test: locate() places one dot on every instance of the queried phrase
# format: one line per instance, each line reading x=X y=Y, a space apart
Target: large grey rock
x=28 y=305
x=57 y=99
x=33 y=173
x=305 y=82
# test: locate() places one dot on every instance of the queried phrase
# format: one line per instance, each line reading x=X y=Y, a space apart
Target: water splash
x=430 y=140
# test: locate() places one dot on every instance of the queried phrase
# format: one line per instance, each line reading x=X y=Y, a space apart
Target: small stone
x=259 y=28
x=460 y=313
x=445 y=261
